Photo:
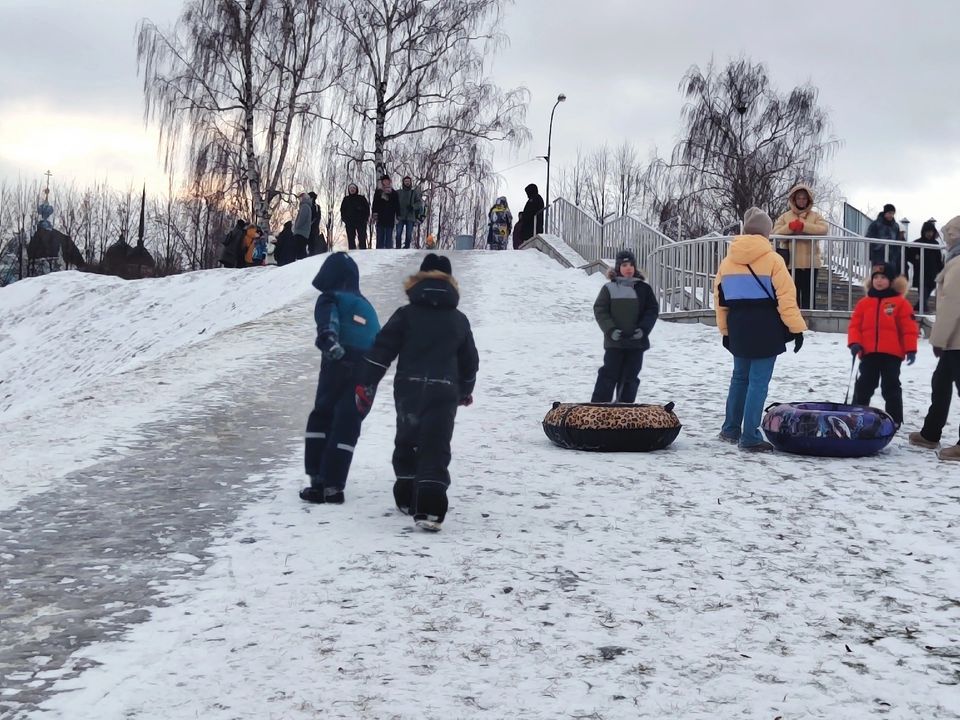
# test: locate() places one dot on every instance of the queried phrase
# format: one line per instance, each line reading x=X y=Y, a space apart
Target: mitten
x=856 y=349
x=638 y=334
x=334 y=352
x=615 y=335
x=796 y=225
x=364 y=398
x=466 y=401
x=797 y=342
x=937 y=352
x=726 y=342
x=911 y=358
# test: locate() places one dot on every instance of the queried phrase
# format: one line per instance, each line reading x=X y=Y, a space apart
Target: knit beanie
x=625 y=256
x=888 y=208
x=436 y=263
x=757 y=222
x=886 y=269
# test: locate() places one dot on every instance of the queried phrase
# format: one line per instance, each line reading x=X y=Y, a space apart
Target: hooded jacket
x=431 y=338
x=532 y=213
x=753 y=312
x=932 y=258
x=286 y=246
x=343 y=315
x=354 y=209
x=813 y=224
x=411 y=203
x=628 y=305
x=301 y=226
x=883 y=321
x=946 y=329
x=500 y=217
x=249 y=243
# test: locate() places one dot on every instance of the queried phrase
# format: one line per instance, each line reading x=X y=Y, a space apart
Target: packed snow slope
x=697 y=582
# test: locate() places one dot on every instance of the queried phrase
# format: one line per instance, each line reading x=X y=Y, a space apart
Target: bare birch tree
x=236 y=87
x=419 y=67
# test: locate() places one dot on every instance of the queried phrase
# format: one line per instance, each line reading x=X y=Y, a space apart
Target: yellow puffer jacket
x=813 y=224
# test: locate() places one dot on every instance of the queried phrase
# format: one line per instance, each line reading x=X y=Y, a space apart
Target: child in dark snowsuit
x=347 y=325
x=626 y=311
x=883 y=331
x=436 y=373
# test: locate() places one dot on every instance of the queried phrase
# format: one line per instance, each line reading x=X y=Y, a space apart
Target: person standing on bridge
x=885 y=227
x=800 y=219
x=626 y=310
x=532 y=214
x=386 y=211
x=347 y=325
x=756 y=306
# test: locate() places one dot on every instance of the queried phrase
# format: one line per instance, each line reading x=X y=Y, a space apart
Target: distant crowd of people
x=395 y=215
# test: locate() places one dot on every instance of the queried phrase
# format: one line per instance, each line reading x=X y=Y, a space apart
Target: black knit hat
x=625 y=256
x=436 y=263
x=888 y=208
x=886 y=269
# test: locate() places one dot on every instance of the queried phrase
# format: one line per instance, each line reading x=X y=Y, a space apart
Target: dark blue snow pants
x=334 y=425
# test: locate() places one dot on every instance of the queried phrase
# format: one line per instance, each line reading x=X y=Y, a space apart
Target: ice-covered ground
x=691 y=583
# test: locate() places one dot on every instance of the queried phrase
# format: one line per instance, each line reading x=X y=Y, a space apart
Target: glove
x=638 y=334
x=911 y=358
x=856 y=349
x=615 y=335
x=334 y=352
x=797 y=342
x=726 y=342
x=796 y=225
x=364 y=396
x=937 y=352
x=466 y=401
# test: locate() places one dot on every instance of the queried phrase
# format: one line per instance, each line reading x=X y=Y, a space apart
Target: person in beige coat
x=800 y=219
x=945 y=340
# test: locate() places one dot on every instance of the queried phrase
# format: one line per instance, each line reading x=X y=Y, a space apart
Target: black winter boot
x=403 y=494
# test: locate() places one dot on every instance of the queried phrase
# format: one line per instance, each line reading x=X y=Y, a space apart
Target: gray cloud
x=885 y=68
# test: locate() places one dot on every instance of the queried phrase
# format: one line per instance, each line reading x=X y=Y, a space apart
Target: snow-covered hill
x=692 y=583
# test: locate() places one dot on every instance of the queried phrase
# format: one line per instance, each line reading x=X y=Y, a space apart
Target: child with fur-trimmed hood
x=883 y=332
x=626 y=311
x=436 y=374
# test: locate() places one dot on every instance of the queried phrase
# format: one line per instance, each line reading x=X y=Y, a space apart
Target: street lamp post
x=560 y=98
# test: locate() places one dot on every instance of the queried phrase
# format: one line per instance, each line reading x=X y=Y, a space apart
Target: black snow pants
x=945 y=377
x=426 y=411
x=619 y=378
x=883 y=370
x=334 y=425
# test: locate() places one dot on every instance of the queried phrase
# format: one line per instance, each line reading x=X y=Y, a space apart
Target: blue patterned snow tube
x=828 y=429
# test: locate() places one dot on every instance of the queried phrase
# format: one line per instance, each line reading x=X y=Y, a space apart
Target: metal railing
x=599 y=241
x=682 y=273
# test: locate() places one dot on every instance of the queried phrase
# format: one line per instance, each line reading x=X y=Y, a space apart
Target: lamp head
x=561 y=97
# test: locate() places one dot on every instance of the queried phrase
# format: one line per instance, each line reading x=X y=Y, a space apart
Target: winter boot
x=403 y=494
x=431 y=506
x=333 y=496
x=763 y=447
x=314 y=493
x=727 y=438
x=951 y=453
x=920 y=441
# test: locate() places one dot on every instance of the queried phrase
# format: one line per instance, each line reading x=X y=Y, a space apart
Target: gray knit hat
x=757 y=222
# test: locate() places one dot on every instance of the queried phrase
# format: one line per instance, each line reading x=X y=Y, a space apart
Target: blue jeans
x=401 y=224
x=747 y=396
x=384 y=238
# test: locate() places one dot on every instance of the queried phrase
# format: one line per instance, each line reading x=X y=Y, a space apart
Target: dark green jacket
x=626 y=305
x=411 y=203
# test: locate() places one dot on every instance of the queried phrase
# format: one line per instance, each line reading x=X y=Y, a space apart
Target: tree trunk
x=260 y=205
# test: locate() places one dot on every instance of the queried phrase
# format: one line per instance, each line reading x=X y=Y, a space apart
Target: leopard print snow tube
x=612 y=428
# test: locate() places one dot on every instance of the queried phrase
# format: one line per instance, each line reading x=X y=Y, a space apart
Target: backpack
x=260 y=249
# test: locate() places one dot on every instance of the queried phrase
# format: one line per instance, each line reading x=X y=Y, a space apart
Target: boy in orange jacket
x=883 y=332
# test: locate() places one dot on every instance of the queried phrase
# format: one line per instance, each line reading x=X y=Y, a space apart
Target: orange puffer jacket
x=884 y=323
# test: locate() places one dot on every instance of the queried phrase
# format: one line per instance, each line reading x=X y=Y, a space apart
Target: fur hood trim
x=612 y=275
x=431 y=275
x=901 y=285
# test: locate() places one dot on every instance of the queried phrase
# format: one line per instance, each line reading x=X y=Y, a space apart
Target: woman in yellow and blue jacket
x=756 y=306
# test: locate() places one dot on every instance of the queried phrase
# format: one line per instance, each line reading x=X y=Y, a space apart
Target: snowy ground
x=692 y=583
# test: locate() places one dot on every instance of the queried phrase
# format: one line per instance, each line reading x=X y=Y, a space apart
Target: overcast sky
x=888 y=70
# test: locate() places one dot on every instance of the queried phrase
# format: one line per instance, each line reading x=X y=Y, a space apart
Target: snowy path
x=693 y=583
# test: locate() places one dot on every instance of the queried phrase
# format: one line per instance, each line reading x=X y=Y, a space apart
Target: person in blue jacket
x=347 y=325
